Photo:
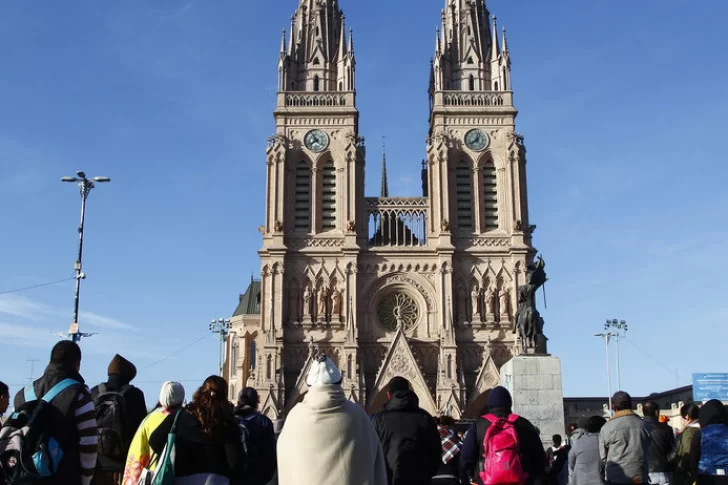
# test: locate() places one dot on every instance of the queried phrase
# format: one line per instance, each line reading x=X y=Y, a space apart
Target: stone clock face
x=316 y=140
x=476 y=140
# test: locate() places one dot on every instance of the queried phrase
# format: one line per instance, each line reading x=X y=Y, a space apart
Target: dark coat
x=662 y=444
x=196 y=452
x=261 y=460
x=533 y=454
x=136 y=405
x=410 y=440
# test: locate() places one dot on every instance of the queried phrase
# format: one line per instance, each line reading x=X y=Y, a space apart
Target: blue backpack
x=28 y=452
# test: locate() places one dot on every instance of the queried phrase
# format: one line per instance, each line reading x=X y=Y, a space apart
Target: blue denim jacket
x=714 y=450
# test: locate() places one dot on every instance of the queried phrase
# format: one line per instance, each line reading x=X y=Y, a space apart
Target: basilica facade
x=421 y=287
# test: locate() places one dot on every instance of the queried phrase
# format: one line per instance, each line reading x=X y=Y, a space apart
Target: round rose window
x=398 y=309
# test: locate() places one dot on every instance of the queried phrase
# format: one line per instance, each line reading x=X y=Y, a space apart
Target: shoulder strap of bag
x=174 y=423
x=29 y=393
x=58 y=388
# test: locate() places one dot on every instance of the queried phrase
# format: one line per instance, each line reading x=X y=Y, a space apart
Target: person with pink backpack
x=502 y=448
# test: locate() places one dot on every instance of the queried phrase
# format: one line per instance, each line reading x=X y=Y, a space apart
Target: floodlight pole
x=606 y=337
x=84 y=185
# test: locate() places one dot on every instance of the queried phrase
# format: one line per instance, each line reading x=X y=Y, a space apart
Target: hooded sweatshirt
x=328 y=439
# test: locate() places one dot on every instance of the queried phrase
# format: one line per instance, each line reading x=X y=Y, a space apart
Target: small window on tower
x=470 y=61
x=496 y=86
x=471 y=83
x=316 y=83
x=316 y=62
x=464 y=195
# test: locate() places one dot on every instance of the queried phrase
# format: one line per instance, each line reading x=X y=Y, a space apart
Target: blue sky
x=622 y=105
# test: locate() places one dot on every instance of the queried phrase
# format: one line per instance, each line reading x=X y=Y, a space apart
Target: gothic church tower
x=420 y=287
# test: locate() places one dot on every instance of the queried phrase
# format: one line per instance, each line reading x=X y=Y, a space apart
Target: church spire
x=385 y=183
x=317 y=58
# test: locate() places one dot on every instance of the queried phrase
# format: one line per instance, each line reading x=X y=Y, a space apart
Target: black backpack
x=29 y=452
x=111 y=418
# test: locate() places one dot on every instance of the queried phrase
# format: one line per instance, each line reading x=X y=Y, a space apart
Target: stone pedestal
x=535 y=384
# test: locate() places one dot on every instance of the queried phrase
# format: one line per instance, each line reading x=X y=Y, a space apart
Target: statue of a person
x=335 y=302
x=475 y=300
x=307 y=301
x=505 y=302
x=529 y=323
x=321 y=311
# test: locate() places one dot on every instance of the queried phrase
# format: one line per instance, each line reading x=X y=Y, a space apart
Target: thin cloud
x=95 y=320
x=20 y=306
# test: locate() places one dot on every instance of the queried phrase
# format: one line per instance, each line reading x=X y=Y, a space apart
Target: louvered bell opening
x=464 y=198
x=490 y=198
x=328 y=198
x=302 y=201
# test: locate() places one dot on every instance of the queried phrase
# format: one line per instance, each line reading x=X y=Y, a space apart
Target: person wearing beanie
x=171 y=398
x=327 y=438
x=533 y=456
x=410 y=438
x=117 y=401
x=624 y=444
x=260 y=439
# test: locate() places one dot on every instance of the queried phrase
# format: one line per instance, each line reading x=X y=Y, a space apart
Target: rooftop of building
x=250 y=300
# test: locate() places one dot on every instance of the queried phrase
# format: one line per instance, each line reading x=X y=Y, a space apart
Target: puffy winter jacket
x=410 y=440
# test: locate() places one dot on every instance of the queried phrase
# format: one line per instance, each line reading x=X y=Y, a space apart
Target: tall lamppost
x=221 y=326
x=84 y=185
x=607 y=336
x=621 y=332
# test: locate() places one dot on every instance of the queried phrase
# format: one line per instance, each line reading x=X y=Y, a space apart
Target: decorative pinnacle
x=385 y=184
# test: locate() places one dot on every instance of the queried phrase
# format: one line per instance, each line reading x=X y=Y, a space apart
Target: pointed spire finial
x=496 y=48
x=283 y=42
x=351 y=41
x=385 y=184
x=505 y=40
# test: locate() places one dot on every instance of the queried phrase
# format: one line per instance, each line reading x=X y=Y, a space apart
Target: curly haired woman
x=208 y=447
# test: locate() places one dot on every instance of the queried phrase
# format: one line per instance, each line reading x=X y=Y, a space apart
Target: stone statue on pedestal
x=529 y=323
x=321 y=310
x=307 y=303
x=335 y=304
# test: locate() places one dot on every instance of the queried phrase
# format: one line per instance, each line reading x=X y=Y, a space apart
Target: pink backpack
x=502 y=453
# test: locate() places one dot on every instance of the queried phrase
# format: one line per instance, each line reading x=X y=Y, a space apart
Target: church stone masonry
x=420 y=287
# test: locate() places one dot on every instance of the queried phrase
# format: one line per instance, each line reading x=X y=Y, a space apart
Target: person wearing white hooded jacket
x=327 y=439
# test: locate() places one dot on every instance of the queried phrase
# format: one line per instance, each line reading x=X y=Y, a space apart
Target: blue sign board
x=710 y=386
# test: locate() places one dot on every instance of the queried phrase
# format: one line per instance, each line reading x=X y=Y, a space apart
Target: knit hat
x=119 y=365
x=172 y=395
x=499 y=397
x=621 y=401
x=323 y=373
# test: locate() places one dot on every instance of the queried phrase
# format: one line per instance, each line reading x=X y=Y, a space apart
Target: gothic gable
x=488 y=377
x=400 y=362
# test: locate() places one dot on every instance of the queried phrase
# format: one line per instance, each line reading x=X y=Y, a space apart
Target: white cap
x=172 y=395
x=323 y=373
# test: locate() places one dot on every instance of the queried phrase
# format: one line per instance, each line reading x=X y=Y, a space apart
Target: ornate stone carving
x=296 y=244
x=398 y=310
x=314 y=100
x=488 y=242
x=473 y=99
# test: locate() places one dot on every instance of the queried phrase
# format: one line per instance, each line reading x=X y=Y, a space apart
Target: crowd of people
x=63 y=433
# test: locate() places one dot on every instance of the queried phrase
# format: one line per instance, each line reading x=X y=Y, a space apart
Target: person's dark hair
x=650 y=409
x=448 y=421
x=556 y=439
x=398 y=384
x=4 y=389
x=690 y=410
x=66 y=352
x=595 y=424
x=211 y=407
x=248 y=397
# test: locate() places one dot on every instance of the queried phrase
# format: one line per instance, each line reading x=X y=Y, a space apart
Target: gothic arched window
x=464 y=195
x=316 y=83
x=328 y=197
x=490 y=197
x=496 y=86
x=302 y=198
x=471 y=83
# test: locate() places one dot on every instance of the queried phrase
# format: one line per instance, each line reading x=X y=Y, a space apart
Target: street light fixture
x=222 y=327
x=84 y=185
x=621 y=332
